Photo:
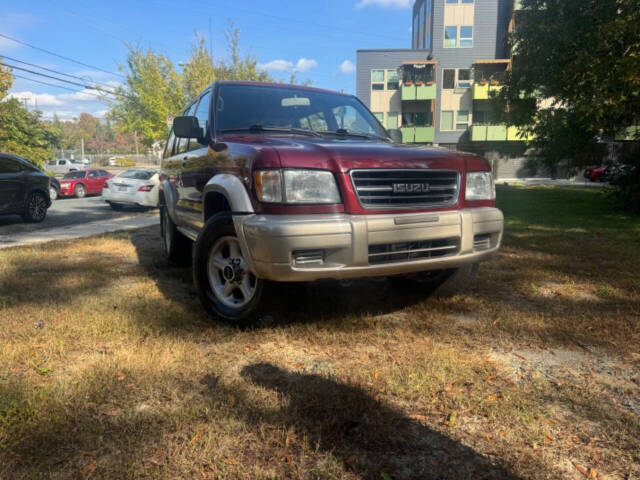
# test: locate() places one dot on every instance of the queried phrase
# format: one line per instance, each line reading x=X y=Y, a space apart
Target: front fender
x=233 y=190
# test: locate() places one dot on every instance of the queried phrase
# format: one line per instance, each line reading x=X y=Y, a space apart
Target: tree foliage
x=6 y=80
x=24 y=133
x=155 y=90
x=580 y=59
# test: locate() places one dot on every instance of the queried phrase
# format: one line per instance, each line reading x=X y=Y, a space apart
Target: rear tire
x=177 y=247
x=437 y=283
x=36 y=209
x=53 y=194
x=227 y=288
x=80 y=191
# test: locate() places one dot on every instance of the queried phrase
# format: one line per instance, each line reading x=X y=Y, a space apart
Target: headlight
x=296 y=186
x=480 y=186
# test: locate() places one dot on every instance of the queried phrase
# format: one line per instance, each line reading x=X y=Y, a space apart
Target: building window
x=379 y=116
x=377 y=79
x=393 y=82
x=392 y=120
x=455 y=2
x=448 y=78
x=452 y=2
x=462 y=120
x=466 y=36
x=467 y=1
x=450 y=37
x=446 y=120
x=464 y=78
x=422 y=25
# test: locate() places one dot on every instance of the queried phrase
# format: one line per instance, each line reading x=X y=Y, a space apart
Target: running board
x=187 y=232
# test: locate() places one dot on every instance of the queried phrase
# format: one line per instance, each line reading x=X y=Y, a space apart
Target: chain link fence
x=111 y=159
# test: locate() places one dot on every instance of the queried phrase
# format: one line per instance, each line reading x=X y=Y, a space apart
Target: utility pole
x=81 y=149
x=135 y=138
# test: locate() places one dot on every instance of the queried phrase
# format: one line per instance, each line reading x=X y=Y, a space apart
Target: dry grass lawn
x=110 y=369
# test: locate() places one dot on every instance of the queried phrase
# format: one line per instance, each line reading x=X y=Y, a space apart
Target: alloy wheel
x=229 y=276
x=37 y=207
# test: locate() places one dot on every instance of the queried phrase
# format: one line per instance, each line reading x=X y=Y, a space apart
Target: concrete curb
x=77 y=231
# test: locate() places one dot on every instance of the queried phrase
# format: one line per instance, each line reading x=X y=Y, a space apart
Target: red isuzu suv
x=268 y=182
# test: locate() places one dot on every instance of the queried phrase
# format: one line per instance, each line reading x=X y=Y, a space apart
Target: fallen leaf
x=121 y=376
x=90 y=468
x=486 y=436
x=195 y=437
x=580 y=468
x=491 y=377
x=592 y=441
x=593 y=473
x=505 y=432
x=519 y=356
x=377 y=374
x=451 y=419
x=297 y=365
x=549 y=436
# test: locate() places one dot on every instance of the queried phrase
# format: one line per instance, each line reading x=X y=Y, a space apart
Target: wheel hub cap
x=229 y=278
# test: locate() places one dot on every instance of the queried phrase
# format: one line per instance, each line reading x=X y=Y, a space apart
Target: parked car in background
x=63 y=166
x=293 y=184
x=54 y=188
x=598 y=174
x=82 y=183
x=24 y=189
x=134 y=187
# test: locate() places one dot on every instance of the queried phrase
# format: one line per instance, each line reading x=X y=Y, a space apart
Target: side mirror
x=187 y=127
x=395 y=135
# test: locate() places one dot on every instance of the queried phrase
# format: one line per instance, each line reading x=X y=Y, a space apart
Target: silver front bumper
x=273 y=244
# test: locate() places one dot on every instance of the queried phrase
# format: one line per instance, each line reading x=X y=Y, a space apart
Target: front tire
x=36 y=210
x=80 y=191
x=227 y=288
x=437 y=283
x=53 y=194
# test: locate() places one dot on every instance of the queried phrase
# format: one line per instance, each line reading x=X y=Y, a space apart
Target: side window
x=168 y=149
x=9 y=166
x=202 y=112
x=182 y=145
x=449 y=78
x=350 y=119
x=62 y=162
x=94 y=174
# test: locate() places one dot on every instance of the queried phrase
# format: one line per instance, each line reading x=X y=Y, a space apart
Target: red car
x=82 y=183
x=597 y=174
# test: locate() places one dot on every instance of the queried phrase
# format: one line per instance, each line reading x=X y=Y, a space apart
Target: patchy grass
x=110 y=369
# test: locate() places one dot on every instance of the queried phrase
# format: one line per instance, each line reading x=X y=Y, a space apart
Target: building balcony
x=497 y=133
x=424 y=134
x=484 y=92
x=419 y=92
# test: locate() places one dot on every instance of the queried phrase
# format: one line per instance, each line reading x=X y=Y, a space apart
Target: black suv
x=24 y=189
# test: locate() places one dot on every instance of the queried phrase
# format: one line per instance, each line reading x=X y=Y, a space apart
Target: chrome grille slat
x=424 y=188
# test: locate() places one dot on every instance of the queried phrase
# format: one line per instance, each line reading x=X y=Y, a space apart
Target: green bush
x=125 y=162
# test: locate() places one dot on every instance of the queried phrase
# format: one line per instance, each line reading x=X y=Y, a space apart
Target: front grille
x=403 y=252
x=405 y=188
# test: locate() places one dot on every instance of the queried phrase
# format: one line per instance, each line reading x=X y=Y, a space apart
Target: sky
x=315 y=40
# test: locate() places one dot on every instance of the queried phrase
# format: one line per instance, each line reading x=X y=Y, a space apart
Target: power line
x=60 y=86
x=89 y=87
x=53 y=71
x=60 y=56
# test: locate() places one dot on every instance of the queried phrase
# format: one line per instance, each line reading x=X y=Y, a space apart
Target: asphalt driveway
x=70 y=218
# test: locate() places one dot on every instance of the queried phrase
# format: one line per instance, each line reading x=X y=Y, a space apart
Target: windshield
x=248 y=107
x=137 y=174
x=72 y=175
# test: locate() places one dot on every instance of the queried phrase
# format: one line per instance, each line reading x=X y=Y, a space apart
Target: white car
x=133 y=187
x=64 y=166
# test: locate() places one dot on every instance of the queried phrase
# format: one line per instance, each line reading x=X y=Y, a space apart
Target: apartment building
x=439 y=91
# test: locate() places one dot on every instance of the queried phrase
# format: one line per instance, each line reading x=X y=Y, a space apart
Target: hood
x=343 y=155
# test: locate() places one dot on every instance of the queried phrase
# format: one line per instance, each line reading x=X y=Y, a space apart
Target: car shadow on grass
x=372 y=439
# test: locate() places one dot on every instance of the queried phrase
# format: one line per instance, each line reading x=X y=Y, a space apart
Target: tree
x=580 y=59
x=153 y=91
x=6 y=80
x=24 y=133
x=199 y=71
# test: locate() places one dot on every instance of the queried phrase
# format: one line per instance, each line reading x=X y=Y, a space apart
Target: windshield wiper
x=261 y=129
x=342 y=132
